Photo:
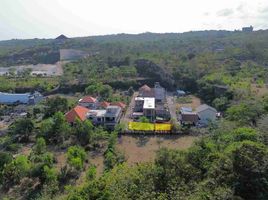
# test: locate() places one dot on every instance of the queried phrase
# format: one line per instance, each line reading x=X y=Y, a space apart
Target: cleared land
x=140 y=149
x=42 y=69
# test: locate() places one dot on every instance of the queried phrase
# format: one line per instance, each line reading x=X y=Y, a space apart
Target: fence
x=139 y=126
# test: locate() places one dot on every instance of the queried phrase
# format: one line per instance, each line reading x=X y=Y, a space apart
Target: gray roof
x=112 y=111
x=204 y=107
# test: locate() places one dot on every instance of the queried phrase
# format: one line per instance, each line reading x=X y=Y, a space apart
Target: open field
x=140 y=149
x=194 y=102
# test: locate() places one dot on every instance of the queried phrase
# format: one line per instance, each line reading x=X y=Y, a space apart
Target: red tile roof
x=104 y=104
x=77 y=112
x=88 y=99
x=120 y=104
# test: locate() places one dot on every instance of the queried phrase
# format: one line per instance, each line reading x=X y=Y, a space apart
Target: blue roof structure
x=181 y=92
x=186 y=109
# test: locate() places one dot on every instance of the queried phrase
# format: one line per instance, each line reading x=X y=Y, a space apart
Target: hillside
x=45 y=156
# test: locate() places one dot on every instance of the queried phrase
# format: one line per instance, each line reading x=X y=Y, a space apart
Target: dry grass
x=195 y=102
x=139 y=149
x=259 y=91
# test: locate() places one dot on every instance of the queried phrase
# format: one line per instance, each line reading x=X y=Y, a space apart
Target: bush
x=76 y=157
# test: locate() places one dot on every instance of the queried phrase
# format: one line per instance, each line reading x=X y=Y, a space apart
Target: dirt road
x=172 y=106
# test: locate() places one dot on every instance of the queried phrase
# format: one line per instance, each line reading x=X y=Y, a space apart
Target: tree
x=40 y=146
x=14 y=171
x=221 y=103
x=76 y=157
x=250 y=165
x=56 y=129
x=83 y=131
x=244 y=113
x=91 y=173
x=56 y=104
x=263 y=127
x=131 y=91
x=22 y=129
x=5 y=158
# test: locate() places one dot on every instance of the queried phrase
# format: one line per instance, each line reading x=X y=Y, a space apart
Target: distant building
x=61 y=37
x=247 y=29
x=88 y=102
x=17 y=98
x=206 y=114
x=78 y=112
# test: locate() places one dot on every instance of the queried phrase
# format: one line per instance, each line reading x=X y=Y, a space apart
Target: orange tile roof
x=104 y=104
x=77 y=112
x=120 y=104
x=88 y=99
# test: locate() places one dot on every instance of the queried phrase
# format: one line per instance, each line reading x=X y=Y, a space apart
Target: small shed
x=206 y=114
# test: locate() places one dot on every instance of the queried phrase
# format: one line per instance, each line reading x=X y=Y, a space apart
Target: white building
x=17 y=98
x=149 y=108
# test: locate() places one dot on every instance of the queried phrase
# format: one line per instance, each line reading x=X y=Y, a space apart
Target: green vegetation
x=50 y=159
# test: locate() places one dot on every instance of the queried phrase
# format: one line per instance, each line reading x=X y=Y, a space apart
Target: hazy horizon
x=28 y=19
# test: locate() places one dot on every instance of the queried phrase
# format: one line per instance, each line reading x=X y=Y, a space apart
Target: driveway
x=171 y=106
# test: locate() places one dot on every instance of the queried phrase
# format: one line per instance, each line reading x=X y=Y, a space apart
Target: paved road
x=171 y=106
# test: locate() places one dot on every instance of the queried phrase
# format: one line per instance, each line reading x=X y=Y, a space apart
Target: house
x=20 y=98
x=112 y=116
x=149 y=108
x=97 y=117
x=88 y=102
x=162 y=113
x=78 y=112
x=104 y=104
x=206 y=114
x=159 y=92
x=139 y=101
x=146 y=91
x=247 y=29
x=120 y=104
x=188 y=118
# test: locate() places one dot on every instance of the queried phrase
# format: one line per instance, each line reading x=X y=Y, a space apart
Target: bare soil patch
x=139 y=149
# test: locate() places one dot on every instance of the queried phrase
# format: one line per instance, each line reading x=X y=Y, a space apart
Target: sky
x=23 y=19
